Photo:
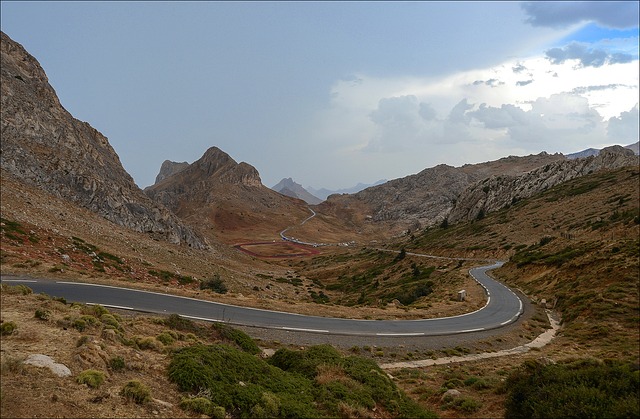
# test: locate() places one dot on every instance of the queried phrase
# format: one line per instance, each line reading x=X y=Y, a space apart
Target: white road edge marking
x=19 y=280
x=472 y=330
x=296 y=329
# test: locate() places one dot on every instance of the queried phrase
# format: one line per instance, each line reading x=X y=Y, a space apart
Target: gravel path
x=538 y=342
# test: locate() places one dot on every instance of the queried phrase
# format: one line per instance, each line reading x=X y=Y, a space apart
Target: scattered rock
x=44 y=361
x=450 y=395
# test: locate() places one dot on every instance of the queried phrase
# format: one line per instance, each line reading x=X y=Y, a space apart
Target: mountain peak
x=289 y=187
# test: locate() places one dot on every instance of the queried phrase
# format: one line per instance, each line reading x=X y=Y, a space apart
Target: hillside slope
x=497 y=192
x=424 y=199
x=576 y=246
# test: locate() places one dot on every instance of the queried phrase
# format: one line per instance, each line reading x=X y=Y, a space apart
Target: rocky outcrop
x=169 y=168
x=290 y=188
x=426 y=198
x=45 y=146
x=496 y=192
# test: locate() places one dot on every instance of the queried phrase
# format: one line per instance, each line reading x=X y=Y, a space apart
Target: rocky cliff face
x=426 y=198
x=496 y=192
x=43 y=145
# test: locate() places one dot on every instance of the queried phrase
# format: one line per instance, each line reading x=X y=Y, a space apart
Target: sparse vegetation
x=92 y=378
x=117 y=363
x=136 y=391
x=42 y=314
x=7 y=328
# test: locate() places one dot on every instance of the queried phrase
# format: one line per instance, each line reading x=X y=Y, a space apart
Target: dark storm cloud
x=587 y=57
x=615 y=14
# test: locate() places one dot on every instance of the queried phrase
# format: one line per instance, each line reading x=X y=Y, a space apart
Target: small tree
x=401 y=255
x=215 y=284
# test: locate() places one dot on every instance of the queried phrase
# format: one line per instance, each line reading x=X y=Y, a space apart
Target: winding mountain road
x=503 y=307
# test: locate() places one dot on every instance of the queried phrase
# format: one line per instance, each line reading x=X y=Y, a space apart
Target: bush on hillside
x=215 y=284
x=578 y=389
x=136 y=391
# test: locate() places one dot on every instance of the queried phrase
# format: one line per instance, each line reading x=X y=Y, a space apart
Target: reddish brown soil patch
x=276 y=249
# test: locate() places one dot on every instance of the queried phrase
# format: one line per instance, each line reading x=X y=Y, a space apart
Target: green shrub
x=117 y=363
x=136 y=391
x=89 y=320
x=215 y=284
x=147 y=343
x=182 y=324
x=16 y=289
x=305 y=362
x=60 y=300
x=110 y=320
x=203 y=406
x=97 y=310
x=240 y=338
x=578 y=389
x=92 y=378
x=7 y=328
x=82 y=340
x=166 y=338
x=42 y=314
x=79 y=324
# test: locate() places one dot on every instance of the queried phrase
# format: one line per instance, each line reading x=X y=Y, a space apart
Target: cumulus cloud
x=404 y=123
x=561 y=122
x=586 y=56
x=624 y=129
x=427 y=112
x=506 y=116
x=523 y=82
x=559 y=119
x=615 y=14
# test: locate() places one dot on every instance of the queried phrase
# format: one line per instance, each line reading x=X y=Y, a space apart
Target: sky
x=336 y=93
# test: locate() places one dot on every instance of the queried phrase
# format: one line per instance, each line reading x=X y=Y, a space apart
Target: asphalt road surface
x=503 y=307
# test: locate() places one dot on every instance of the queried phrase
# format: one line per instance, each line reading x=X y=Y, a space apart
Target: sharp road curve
x=503 y=307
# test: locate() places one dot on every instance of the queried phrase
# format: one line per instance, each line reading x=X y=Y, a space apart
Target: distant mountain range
x=289 y=187
x=295 y=190
x=323 y=193
x=594 y=152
